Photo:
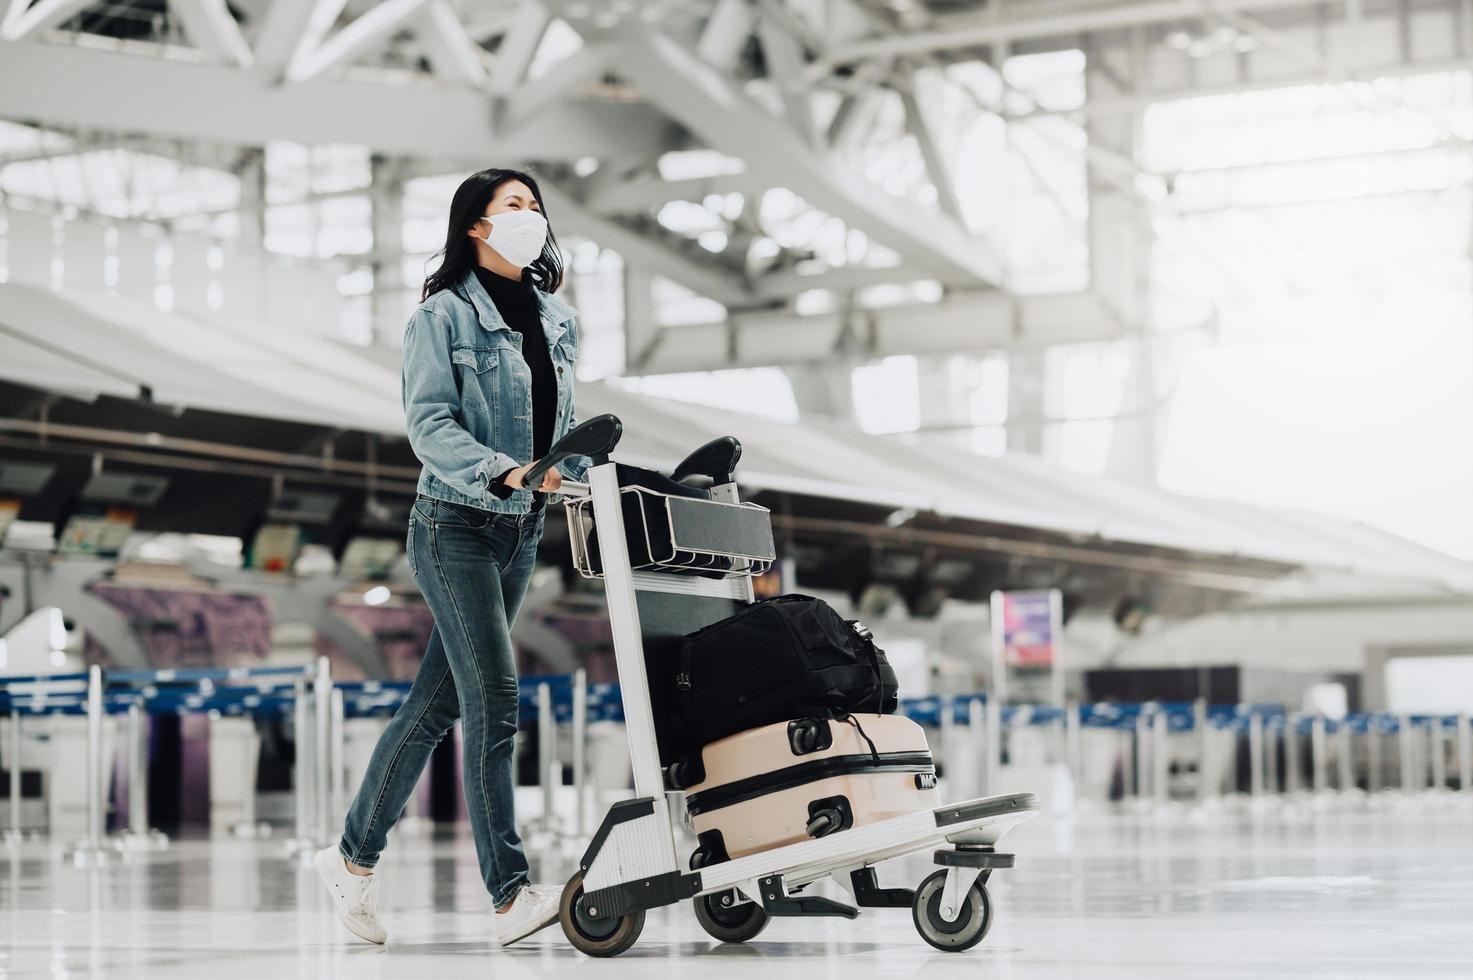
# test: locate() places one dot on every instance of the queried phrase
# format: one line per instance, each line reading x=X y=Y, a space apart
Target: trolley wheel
x=729 y=923
x=966 y=931
x=596 y=937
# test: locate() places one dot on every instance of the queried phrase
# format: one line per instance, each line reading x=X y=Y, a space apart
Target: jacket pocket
x=568 y=344
x=478 y=359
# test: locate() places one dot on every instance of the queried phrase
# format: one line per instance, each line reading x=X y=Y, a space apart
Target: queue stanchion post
x=1404 y=736
x=1255 y=755
x=546 y=753
x=1272 y=734
x=15 y=835
x=946 y=719
x=1199 y=729
x=322 y=745
x=978 y=727
x=1160 y=759
x=1437 y=750
x=1373 y=754
x=1142 y=745
x=1073 y=745
x=1318 y=752
x=138 y=835
x=89 y=851
x=580 y=752
x=303 y=782
x=1344 y=755
x=1126 y=739
x=1293 y=778
x=1465 y=754
x=338 y=759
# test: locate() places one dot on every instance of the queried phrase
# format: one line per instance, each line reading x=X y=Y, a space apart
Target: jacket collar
x=555 y=312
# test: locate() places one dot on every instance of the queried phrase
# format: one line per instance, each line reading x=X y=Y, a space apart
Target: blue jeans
x=473 y=567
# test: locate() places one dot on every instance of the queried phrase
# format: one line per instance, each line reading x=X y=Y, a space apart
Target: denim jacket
x=468 y=394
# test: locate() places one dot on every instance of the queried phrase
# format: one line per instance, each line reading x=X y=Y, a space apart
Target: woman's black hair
x=471 y=199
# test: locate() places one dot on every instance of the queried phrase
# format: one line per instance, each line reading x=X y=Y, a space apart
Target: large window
x=1322 y=234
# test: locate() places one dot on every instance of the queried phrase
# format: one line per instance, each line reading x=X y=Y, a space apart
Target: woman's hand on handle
x=551 y=479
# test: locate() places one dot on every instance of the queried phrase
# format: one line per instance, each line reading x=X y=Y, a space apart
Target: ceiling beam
x=1032 y=21
x=453 y=54
x=518 y=48
x=558 y=84
x=22 y=18
x=354 y=40
x=650 y=192
x=726 y=34
x=927 y=138
x=52 y=85
x=714 y=108
x=212 y=28
x=961 y=323
x=785 y=59
x=707 y=279
x=290 y=28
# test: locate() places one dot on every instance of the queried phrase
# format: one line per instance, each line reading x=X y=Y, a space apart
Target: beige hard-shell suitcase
x=798 y=780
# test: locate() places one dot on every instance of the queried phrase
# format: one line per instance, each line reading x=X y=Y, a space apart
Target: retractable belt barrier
x=318 y=706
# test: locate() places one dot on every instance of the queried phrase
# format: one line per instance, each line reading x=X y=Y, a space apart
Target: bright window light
x=1321 y=235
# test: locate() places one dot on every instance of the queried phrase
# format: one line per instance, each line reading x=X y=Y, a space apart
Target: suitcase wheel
x=970 y=925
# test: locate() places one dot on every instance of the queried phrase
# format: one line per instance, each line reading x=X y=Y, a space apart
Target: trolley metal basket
x=678 y=535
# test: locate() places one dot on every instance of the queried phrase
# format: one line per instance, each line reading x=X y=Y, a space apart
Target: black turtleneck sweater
x=517 y=304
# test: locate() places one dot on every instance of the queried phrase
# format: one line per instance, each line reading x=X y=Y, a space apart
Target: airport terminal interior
x=1051 y=418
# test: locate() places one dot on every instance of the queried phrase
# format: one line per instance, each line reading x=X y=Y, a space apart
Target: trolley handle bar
x=597 y=438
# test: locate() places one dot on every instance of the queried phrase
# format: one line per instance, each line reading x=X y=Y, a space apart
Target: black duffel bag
x=790 y=656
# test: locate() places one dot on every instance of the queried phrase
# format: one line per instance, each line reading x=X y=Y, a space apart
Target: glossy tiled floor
x=1346 y=890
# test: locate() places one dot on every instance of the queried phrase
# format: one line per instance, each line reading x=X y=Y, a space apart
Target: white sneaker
x=533 y=908
x=354 y=896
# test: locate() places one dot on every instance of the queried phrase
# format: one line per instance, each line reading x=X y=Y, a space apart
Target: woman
x=488 y=387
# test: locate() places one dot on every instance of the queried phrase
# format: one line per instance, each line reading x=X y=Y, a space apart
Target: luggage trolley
x=692 y=564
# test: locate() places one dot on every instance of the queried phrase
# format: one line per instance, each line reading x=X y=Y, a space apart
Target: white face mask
x=518 y=236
